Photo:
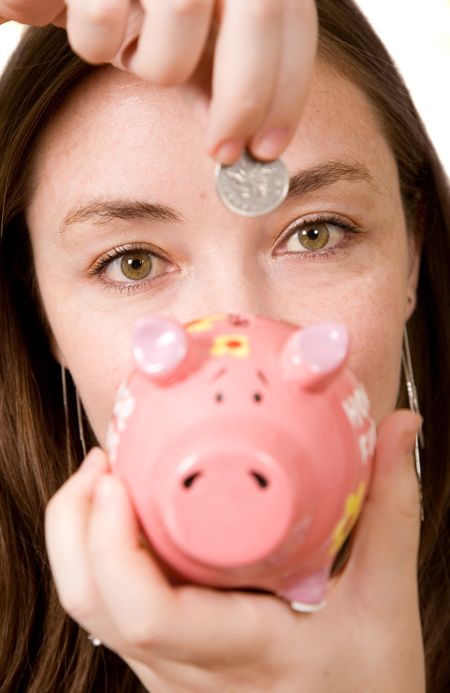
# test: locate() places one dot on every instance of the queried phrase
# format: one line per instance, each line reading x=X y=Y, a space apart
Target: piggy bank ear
x=161 y=348
x=311 y=356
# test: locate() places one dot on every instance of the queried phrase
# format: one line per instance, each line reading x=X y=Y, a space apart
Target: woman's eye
x=129 y=266
x=311 y=237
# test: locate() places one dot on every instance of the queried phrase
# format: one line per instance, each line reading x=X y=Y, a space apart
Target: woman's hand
x=255 y=57
x=186 y=638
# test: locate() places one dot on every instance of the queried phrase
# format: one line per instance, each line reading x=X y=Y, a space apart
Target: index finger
x=263 y=66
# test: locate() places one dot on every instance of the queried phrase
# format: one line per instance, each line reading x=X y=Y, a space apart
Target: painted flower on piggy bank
x=246 y=445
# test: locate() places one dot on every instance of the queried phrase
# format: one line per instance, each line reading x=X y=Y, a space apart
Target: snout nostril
x=187 y=483
x=262 y=481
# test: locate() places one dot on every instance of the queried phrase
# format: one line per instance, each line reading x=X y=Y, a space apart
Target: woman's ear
x=413 y=279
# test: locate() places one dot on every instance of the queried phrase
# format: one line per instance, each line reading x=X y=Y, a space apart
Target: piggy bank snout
x=229 y=509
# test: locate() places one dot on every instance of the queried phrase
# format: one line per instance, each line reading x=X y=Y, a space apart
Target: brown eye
x=314 y=238
x=136 y=265
x=320 y=237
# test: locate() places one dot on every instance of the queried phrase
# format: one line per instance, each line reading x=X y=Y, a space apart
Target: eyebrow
x=327 y=173
x=103 y=210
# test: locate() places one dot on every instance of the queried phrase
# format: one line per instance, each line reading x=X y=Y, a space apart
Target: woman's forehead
x=119 y=133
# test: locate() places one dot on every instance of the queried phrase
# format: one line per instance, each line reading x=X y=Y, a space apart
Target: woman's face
x=125 y=221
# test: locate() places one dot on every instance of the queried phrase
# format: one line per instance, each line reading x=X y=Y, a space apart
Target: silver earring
x=66 y=415
x=414 y=406
x=80 y=423
x=95 y=641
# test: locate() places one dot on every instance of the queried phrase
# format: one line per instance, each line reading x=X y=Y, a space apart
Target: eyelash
x=344 y=225
x=99 y=267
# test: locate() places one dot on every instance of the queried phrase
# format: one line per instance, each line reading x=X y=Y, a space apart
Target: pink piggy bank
x=246 y=445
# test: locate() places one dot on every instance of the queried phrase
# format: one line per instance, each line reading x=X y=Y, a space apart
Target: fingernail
x=228 y=152
x=270 y=144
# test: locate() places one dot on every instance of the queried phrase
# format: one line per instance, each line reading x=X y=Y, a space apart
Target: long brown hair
x=41 y=648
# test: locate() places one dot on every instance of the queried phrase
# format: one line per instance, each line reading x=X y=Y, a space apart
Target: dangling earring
x=66 y=415
x=80 y=423
x=414 y=406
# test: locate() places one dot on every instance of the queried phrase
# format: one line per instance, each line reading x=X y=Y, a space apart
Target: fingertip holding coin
x=252 y=188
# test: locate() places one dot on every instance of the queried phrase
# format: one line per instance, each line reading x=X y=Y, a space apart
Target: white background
x=417 y=34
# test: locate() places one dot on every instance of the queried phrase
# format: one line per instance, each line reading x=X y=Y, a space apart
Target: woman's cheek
x=97 y=379
x=375 y=359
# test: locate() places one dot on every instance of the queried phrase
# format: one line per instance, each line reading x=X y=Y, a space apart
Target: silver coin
x=252 y=188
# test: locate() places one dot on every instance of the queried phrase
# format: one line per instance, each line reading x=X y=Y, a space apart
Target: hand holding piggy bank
x=246 y=446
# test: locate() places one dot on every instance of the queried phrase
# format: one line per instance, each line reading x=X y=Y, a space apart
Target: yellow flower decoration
x=204 y=324
x=352 y=508
x=230 y=345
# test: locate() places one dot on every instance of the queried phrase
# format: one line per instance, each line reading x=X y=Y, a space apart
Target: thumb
x=386 y=541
